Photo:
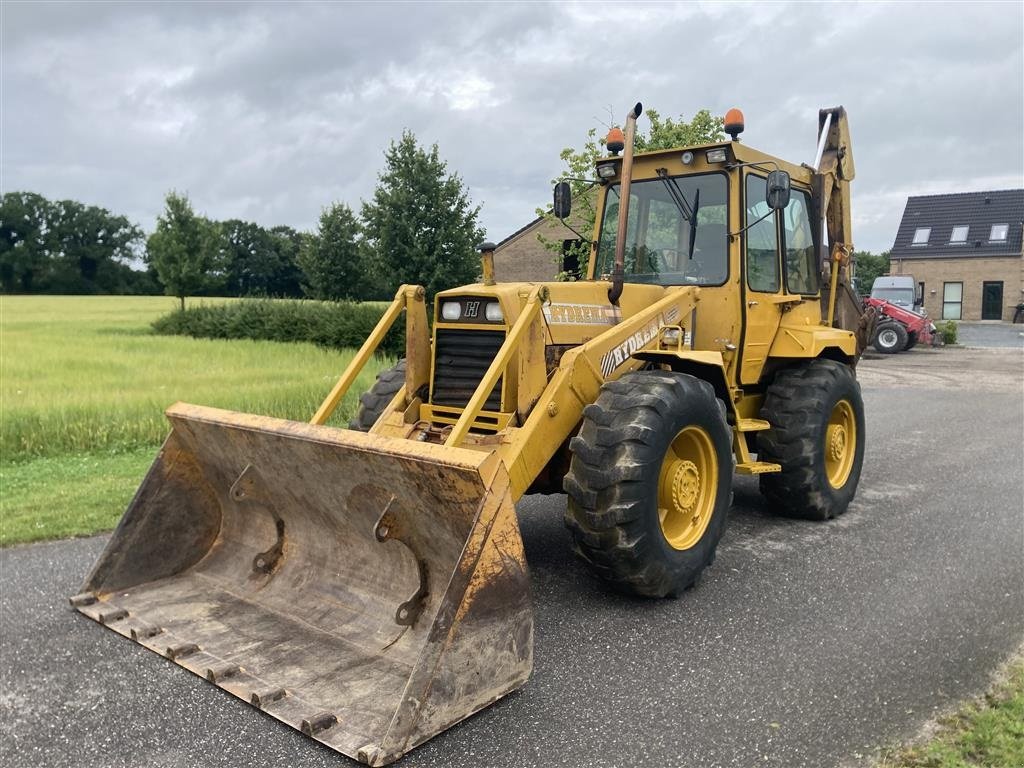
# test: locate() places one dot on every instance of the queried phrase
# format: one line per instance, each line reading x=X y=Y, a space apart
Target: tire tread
x=618 y=446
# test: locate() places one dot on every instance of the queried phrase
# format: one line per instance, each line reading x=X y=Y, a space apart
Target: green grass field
x=83 y=387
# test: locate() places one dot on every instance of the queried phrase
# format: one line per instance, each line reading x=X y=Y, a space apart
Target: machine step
x=752 y=425
x=758 y=468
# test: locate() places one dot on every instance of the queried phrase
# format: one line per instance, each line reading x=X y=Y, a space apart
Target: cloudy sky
x=268 y=111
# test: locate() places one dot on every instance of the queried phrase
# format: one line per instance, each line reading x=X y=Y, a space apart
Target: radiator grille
x=461 y=358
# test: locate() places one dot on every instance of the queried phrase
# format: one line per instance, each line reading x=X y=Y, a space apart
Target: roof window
x=959 y=236
x=998 y=233
x=921 y=236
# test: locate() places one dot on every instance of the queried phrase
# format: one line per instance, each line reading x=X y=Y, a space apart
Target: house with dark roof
x=966 y=253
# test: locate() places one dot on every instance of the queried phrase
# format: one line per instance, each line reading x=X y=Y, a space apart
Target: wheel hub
x=837 y=442
x=840 y=444
x=685 y=485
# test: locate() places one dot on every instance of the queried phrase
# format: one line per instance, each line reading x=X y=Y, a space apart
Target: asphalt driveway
x=990 y=335
x=805 y=645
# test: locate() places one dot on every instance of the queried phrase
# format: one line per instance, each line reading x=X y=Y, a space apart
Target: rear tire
x=890 y=338
x=383 y=391
x=650 y=482
x=817 y=435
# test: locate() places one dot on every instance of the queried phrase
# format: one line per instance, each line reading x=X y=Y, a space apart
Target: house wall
x=972 y=273
x=521 y=258
x=524 y=259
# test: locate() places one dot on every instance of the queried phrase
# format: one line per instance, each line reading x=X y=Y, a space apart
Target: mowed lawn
x=83 y=387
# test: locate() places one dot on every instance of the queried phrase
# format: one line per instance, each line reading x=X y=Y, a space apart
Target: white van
x=898 y=289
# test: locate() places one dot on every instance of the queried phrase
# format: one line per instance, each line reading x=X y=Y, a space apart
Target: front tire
x=650 y=482
x=817 y=435
x=890 y=338
x=383 y=391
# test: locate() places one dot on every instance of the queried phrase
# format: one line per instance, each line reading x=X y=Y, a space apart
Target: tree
x=65 y=246
x=867 y=267
x=90 y=247
x=287 y=280
x=24 y=253
x=249 y=258
x=186 y=250
x=331 y=259
x=420 y=225
x=702 y=128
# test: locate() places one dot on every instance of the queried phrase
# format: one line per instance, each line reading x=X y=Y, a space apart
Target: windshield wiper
x=689 y=213
x=693 y=223
x=676 y=194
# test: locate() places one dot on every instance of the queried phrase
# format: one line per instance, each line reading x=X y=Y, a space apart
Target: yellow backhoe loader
x=368 y=586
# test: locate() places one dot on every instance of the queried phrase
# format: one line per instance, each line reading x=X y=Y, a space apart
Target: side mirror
x=777 y=190
x=563 y=199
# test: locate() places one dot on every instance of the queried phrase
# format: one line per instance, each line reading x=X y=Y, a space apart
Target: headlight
x=687 y=158
x=606 y=171
x=670 y=337
x=451 y=310
x=493 y=312
x=716 y=155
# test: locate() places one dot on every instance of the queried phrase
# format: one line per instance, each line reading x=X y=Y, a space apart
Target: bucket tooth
x=112 y=615
x=222 y=672
x=320 y=722
x=176 y=652
x=142 y=631
x=367 y=591
x=264 y=698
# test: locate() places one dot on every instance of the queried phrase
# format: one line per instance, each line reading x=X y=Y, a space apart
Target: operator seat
x=708 y=253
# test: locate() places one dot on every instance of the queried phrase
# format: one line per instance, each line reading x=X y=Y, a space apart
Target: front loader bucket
x=369 y=591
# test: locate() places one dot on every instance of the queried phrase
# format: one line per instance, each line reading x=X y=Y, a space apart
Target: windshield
x=902 y=296
x=662 y=245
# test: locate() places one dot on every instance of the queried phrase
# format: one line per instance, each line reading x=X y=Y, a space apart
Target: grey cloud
x=271 y=111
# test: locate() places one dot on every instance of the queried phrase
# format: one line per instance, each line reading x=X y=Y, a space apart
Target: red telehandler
x=898 y=329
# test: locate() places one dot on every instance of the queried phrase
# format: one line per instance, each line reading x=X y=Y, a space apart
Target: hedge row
x=329 y=324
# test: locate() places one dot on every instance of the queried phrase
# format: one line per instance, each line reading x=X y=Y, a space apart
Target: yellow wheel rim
x=687 y=487
x=840 y=444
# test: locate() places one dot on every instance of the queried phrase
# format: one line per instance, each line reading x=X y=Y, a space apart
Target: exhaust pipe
x=627 y=176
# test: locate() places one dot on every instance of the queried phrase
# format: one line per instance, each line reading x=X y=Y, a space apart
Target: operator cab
x=676 y=232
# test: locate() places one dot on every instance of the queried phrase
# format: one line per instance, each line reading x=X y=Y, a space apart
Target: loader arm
x=577 y=380
x=410 y=299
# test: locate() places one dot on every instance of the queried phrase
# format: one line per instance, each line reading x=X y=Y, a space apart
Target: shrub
x=335 y=325
x=948 y=330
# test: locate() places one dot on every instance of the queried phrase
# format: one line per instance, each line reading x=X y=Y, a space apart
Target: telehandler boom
x=368 y=586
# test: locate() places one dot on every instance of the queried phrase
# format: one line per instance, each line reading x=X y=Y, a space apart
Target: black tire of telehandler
x=890 y=344
x=612 y=483
x=798 y=405
x=383 y=391
x=911 y=341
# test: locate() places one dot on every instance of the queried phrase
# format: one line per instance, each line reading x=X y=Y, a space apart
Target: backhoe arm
x=833 y=172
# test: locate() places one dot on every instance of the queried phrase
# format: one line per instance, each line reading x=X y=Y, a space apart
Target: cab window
x=762 y=239
x=666 y=215
x=801 y=261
